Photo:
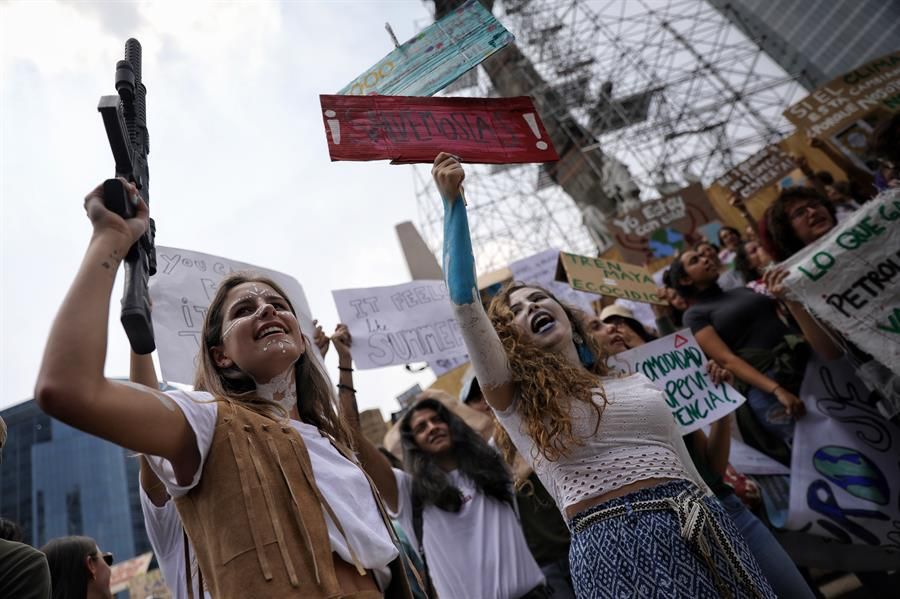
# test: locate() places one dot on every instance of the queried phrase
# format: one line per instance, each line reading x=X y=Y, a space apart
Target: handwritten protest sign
x=677 y=366
x=845 y=478
x=436 y=56
x=764 y=168
x=184 y=284
x=412 y=322
x=875 y=86
x=408 y=130
x=606 y=277
x=850 y=278
x=661 y=227
x=540 y=269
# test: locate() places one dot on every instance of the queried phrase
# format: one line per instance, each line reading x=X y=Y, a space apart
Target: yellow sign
x=605 y=277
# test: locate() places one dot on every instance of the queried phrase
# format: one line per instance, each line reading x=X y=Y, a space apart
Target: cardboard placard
x=677 y=366
x=184 y=284
x=540 y=269
x=764 y=168
x=874 y=86
x=660 y=228
x=435 y=57
x=606 y=277
x=850 y=278
x=400 y=324
x=408 y=130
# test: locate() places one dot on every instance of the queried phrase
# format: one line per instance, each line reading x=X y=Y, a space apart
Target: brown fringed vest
x=256 y=521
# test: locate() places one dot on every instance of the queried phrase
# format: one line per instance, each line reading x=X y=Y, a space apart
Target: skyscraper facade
x=817 y=40
x=57 y=481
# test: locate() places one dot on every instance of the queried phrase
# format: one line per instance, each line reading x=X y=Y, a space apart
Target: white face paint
x=281 y=389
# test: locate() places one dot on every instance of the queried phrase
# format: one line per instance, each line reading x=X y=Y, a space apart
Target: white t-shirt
x=341 y=482
x=166 y=536
x=479 y=551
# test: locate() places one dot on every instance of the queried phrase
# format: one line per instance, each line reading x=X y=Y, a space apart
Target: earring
x=577 y=338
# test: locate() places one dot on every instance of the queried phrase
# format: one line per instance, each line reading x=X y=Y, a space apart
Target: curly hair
x=545 y=382
x=315 y=401
x=779 y=232
x=474 y=457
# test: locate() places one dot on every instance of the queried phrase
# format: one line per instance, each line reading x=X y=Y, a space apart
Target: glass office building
x=57 y=481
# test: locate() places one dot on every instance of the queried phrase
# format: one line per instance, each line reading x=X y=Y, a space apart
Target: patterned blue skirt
x=662 y=542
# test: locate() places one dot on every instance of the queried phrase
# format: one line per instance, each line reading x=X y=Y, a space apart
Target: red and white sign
x=122 y=572
x=407 y=130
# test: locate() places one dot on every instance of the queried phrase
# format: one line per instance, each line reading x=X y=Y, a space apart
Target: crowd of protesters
x=576 y=483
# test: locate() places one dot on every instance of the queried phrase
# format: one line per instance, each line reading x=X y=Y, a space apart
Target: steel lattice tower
x=668 y=89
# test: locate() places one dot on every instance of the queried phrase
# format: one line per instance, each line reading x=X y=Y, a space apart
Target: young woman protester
x=455 y=502
x=78 y=569
x=709 y=454
x=606 y=448
x=255 y=458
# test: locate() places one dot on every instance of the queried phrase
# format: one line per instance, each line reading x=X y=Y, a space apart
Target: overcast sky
x=239 y=164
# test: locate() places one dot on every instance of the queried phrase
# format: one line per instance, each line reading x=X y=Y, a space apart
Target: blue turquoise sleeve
x=459 y=261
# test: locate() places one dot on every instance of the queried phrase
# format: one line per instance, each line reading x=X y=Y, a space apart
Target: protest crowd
x=559 y=468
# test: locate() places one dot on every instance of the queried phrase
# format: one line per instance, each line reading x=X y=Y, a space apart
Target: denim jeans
x=774 y=561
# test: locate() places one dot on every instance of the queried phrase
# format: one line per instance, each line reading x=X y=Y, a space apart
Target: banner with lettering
x=850 y=278
x=435 y=57
x=764 y=168
x=184 y=284
x=662 y=227
x=607 y=277
x=412 y=322
x=677 y=366
x=540 y=269
x=845 y=476
x=407 y=130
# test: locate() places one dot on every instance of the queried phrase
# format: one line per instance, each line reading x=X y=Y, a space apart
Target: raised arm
x=71 y=385
x=373 y=462
x=485 y=349
x=143 y=372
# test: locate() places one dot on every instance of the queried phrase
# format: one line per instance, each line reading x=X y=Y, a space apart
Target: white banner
x=851 y=278
x=540 y=269
x=677 y=366
x=747 y=460
x=412 y=322
x=184 y=284
x=845 y=475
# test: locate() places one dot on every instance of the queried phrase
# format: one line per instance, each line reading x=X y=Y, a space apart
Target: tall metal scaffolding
x=639 y=97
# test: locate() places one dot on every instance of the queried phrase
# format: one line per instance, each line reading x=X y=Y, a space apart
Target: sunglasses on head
x=105 y=556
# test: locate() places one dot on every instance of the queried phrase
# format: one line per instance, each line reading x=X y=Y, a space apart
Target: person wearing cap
x=24 y=572
x=628 y=326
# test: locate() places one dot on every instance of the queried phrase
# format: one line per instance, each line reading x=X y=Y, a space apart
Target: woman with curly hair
x=255 y=458
x=606 y=448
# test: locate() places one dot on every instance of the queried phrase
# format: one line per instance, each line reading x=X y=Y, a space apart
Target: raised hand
x=105 y=220
x=448 y=174
x=321 y=340
x=774 y=280
x=342 y=342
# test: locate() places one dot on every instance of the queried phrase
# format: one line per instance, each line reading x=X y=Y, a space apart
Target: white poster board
x=677 y=366
x=845 y=473
x=184 y=284
x=850 y=278
x=540 y=269
x=400 y=324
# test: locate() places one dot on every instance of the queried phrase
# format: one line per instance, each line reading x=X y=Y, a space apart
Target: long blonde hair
x=315 y=401
x=545 y=381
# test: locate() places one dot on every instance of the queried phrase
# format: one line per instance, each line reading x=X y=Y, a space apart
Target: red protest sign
x=415 y=129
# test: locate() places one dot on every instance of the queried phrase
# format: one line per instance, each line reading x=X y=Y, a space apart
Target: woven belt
x=698 y=526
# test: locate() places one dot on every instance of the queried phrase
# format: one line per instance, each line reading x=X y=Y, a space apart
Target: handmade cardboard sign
x=850 y=278
x=677 y=366
x=662 y=227
x=845 y=479
x=540 y=269
x=184 y=284
x=874 y=86
x=606 y=277
x=435 y=57
x=412 y=322
x=406 y=130
x=764 y=168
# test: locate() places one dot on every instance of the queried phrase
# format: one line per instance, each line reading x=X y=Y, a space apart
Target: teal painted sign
x=436 y=57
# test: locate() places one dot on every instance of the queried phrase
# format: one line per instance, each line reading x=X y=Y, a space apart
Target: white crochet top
x=637 y=439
